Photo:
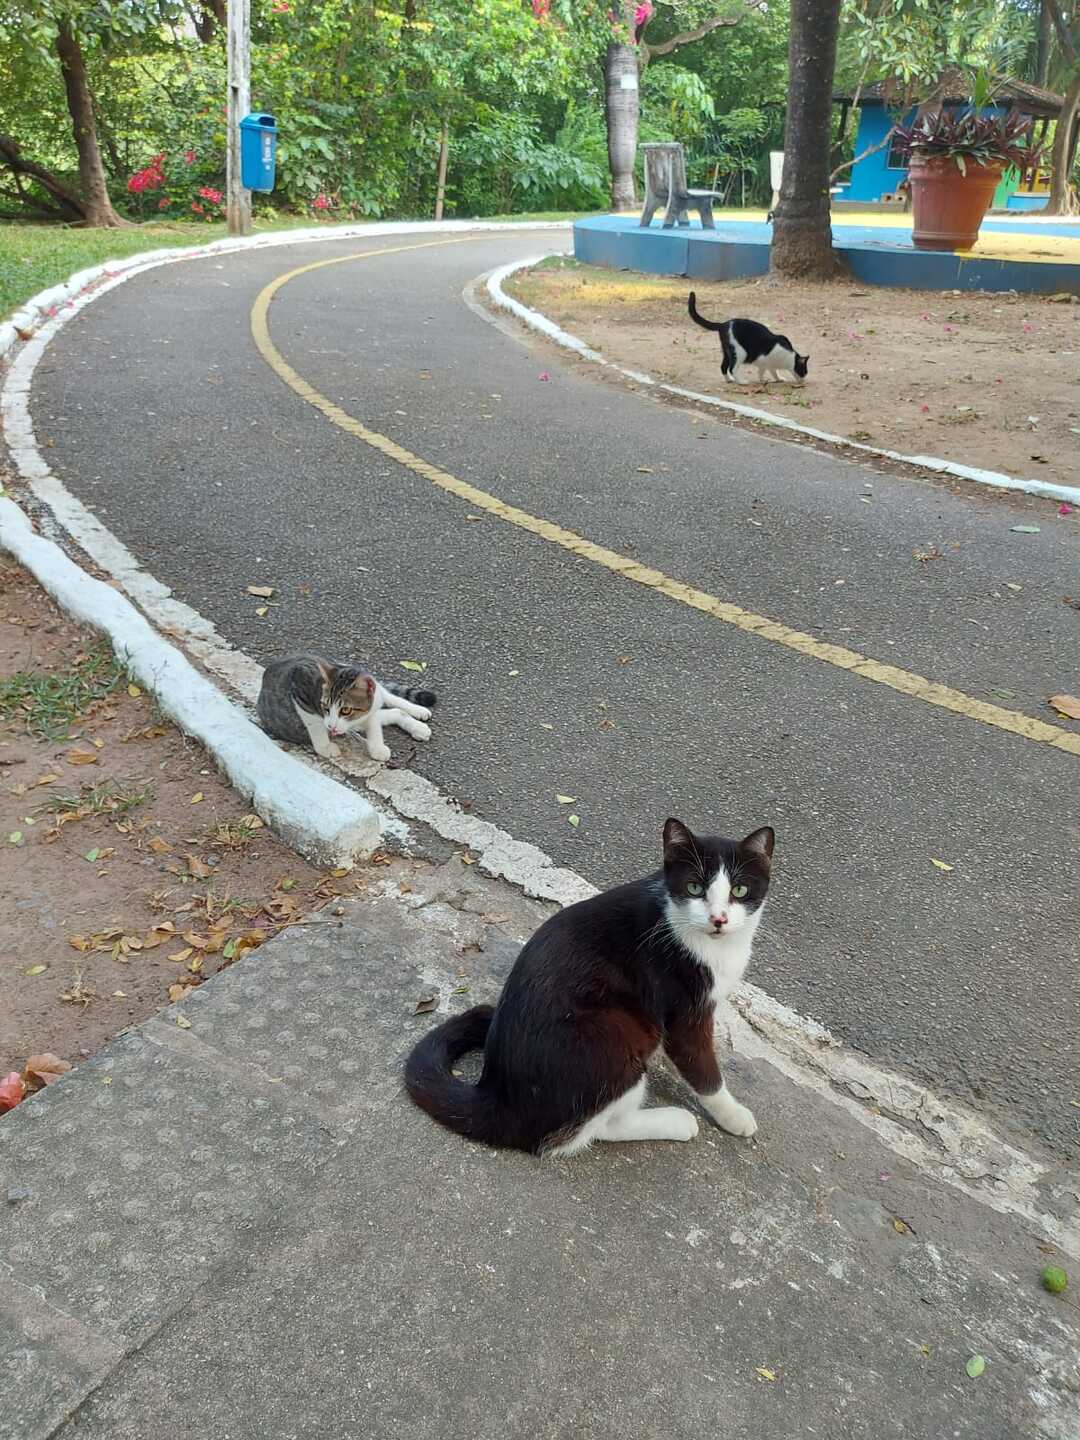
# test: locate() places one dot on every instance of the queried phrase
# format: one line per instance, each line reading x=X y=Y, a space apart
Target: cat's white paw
x=421 y=713
x=330 y=751
x=421 y=731
x=381 y=753
x=738 y=1120
x=684 y=1125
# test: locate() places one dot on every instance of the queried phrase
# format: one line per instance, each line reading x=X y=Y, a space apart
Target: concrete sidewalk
x=242 y=1230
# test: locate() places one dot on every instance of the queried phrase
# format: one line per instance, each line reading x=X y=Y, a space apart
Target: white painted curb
x=321 y=819
x=536 y=321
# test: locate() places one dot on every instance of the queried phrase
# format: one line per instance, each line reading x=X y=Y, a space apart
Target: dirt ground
x=983 y=379
x=128 y=868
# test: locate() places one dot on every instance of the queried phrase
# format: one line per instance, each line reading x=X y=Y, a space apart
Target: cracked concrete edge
x=944 y=1140
x=493 y=282
x=957 y=1147
x=322 y=819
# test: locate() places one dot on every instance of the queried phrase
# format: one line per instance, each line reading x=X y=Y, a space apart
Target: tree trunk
x=802 y=235
x=1045 y=43
x=621 y=108
x=12 y=156
x=440 y=181
x=1064 y=152
x=210 y=17
x=98 y=206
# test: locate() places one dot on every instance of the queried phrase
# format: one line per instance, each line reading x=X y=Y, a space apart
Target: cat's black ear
x=678 y=840
x=761 y=841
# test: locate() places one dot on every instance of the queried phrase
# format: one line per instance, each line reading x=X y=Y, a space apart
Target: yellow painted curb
x=918 y=687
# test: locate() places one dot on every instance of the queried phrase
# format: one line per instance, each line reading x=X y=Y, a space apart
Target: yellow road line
x=918 y=687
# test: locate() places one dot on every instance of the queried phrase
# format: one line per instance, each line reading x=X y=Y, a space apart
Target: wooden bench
x=665 y=184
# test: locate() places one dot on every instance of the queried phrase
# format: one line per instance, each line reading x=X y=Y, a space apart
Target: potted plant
x=955 y=160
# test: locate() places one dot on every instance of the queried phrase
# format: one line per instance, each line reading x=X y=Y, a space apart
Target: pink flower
x=540 y=9
x=1028 y=327
x=925 y=409
x=280 y=7
x=321 y=202
x=641 y=14
x=164 y=203
x=924 y=317
x=1064 y=509
x=209 y=193
x=197 y=208
x=189 y=157
x=544 y=375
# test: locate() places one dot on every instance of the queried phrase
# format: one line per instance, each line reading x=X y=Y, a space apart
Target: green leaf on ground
x=975 y=1366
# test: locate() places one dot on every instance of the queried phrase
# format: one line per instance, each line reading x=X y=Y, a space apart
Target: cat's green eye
x=739 y=892
x=695 y=887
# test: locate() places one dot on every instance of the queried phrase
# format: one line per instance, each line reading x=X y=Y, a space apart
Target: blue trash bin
x=258 y=151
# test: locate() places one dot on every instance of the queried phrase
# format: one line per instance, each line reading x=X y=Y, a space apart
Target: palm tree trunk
x=621 y=106
x=802 y=235
x=98 y=206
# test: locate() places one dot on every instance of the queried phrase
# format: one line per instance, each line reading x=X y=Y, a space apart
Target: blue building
x=878 y=176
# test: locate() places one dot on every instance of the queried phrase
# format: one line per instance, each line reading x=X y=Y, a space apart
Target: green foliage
x=914 y=41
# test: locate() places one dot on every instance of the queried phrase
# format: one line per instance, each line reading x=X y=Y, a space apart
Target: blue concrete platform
x=1011 y=254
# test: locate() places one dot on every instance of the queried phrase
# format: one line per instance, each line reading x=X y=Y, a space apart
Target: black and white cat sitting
x=306 y=700
x=594 y=994
x=746 y=343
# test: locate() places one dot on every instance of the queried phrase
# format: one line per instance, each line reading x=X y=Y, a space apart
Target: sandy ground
x=127 y=866
x=986 y=380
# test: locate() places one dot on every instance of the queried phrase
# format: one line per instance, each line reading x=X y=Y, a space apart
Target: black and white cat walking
x=746 y=343
x=594 y=994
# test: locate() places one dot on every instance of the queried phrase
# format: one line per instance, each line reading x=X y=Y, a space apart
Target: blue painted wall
x=873 y=177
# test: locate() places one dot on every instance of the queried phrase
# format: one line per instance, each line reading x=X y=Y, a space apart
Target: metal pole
x=237 y=199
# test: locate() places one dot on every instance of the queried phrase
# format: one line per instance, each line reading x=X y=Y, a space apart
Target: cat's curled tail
x=698 y=320
x=418 y=696
x=454 y=1103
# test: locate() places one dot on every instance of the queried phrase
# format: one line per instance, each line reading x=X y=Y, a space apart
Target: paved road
x=165 y=419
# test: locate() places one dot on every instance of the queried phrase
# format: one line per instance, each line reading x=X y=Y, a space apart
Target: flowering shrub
x=176 y=181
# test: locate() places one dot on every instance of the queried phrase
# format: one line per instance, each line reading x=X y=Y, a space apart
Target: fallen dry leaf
x=179 y=992
x=1063 y=704
x=160 y=847
x=43 y=1069
x=197 y=798
x=183 y=1022
x=81 y=757
x=941 y=865
x=197 y=867
x=900 y=1226
x=264 y=592
x=765 y=1373
x=195 y=964
x=426 y=1003
x=180 y=955
x=134 y=691
x=36 y=970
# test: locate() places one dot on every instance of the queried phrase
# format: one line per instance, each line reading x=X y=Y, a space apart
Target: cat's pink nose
x=719 y=920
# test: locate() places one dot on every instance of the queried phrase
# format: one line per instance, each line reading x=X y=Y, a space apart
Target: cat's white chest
x=725 y=957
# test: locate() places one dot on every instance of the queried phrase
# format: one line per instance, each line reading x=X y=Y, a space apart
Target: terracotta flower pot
x=948 y=205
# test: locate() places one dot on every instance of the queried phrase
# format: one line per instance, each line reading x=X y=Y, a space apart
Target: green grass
x=48 y=704
x=107 y=797
x=33 y=257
